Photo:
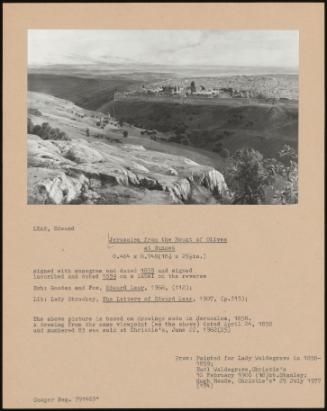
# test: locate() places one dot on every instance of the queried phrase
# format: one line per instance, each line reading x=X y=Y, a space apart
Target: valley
x=216 y=125
x=91 y=146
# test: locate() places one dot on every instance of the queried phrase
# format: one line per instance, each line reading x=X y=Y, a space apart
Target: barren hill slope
x=87 y=92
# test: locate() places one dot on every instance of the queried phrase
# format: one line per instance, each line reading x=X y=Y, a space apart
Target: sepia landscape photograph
x=163 y=117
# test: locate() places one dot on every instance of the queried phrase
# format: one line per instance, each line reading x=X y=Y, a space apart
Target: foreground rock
x=70 y=172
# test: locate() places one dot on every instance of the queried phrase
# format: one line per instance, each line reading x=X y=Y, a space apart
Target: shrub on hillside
x=286 y=190
x=180 y=128
x=34 y=111
x=224 y=152
x=288 y=154
x=174 y=139
x=113 y=140
x=46 y=132
x=185 y=141
x=217 y=147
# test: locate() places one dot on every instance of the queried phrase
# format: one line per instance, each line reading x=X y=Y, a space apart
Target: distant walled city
x=265 y=88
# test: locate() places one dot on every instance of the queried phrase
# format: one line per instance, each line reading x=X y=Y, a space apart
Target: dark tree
x=248 y=176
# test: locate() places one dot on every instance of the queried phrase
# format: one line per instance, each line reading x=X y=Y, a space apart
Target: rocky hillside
x=90 y=166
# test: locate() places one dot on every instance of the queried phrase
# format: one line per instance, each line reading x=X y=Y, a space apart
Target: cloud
x=200 y=42
x=180 y=47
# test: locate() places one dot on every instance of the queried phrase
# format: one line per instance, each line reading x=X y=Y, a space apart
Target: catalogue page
x=163 y=205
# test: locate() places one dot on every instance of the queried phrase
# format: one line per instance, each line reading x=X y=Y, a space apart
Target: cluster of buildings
x=264 y=86
x=254 y=87
x=179 y=90
x=192 y=90
x=102 y=119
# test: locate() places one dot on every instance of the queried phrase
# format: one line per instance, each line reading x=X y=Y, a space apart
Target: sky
x=260 y=48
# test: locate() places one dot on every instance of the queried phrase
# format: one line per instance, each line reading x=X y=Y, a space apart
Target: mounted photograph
x=162 y=117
